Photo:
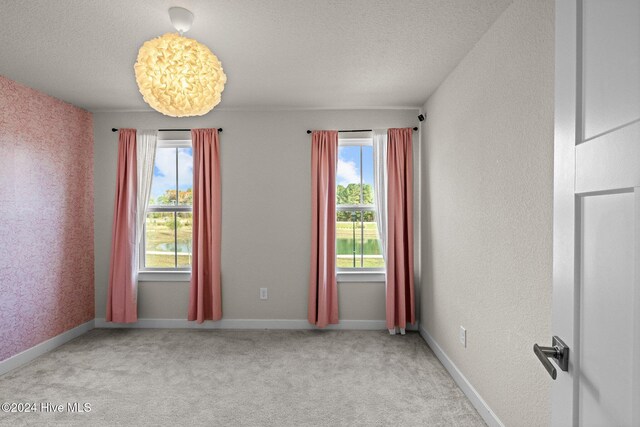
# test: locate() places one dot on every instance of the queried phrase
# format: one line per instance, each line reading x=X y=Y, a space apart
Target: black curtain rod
x=168 y=130
x=357 y=130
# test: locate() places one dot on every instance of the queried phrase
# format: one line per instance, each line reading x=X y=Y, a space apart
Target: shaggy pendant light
x=179 y=76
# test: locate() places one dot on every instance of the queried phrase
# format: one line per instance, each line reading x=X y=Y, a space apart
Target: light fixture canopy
x=179 y=76
x=181 y=19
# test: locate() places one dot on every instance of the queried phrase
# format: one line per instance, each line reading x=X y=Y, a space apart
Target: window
x=358 y=246
x=166 y=241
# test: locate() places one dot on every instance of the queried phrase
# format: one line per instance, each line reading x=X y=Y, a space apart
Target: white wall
x=265 y=161
x=487 y=212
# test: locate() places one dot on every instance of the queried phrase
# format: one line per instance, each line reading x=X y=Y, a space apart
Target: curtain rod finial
x=308 y=131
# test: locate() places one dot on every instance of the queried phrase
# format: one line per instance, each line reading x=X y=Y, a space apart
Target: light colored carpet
x=240 y=378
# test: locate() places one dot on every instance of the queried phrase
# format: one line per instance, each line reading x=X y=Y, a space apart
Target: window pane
x=372 y=249
x=185 y=176
x=185 y=225
x=348 y=175
x=160 y=240
x=367 y=174
x=163 y=185
x=357 y=240
x=348 y=239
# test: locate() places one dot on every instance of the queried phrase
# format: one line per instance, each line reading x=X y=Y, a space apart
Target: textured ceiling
x=276 y=53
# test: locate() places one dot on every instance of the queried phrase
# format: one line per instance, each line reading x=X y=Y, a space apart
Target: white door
x=596 y=273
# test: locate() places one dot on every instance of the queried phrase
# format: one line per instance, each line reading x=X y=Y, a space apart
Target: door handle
x=558 y=351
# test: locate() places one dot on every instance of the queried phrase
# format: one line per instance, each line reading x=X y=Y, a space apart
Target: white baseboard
x=44 y=347
x=477 y=401
x=302 y=324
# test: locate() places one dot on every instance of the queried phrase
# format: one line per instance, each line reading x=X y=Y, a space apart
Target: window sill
x=360 y=276
x=164 y=276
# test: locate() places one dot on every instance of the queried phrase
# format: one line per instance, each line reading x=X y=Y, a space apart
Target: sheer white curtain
x=380 y=184
x=146 y=142
x=380 y=189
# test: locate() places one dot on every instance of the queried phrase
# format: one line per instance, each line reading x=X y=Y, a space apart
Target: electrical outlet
x=462 y=336
x=263 y=293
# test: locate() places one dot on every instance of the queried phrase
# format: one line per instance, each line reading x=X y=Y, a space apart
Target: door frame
x=567 y=132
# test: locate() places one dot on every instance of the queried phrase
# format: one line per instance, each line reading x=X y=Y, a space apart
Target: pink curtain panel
x=323 y=290
x=122 y=296
x=399 y=288
x=204 y=296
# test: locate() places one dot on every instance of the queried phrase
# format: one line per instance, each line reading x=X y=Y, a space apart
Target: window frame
x=358 y=274
x=164 y=273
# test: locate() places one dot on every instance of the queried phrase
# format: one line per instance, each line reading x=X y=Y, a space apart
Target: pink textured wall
x=46 y=217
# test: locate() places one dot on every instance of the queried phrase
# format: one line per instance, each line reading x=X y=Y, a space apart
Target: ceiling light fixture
x=179 y=76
